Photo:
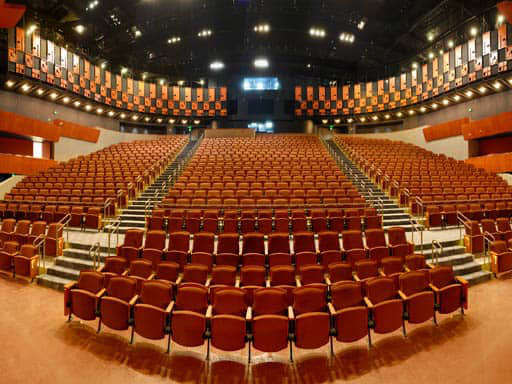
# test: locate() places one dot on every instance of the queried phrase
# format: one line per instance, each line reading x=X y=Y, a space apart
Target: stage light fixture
x=79 y=29
x=261 y=63
x=217 y=65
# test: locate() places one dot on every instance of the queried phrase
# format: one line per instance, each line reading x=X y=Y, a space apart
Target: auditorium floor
x=38 y=346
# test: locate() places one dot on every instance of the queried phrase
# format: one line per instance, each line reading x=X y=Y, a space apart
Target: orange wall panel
x=493 y=163
x=448 y=129
x=489 y=126
x=21 y=125
x=76 y=131
x=23 y=165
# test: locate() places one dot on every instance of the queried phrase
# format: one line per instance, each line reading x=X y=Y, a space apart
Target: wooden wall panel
x=23 y=165
x=493 y=163
x=441 y=131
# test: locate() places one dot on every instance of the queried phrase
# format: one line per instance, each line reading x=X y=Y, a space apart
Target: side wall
x=455 y=147
x=7 y=185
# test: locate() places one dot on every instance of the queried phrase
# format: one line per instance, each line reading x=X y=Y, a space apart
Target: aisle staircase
x=392 y=214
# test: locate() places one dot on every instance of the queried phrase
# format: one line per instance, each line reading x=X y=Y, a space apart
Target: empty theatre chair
x=38 y=230
x=398 y=243
x=278 y=243
x=353 y=248
x=228 y=249
x=81 y=298
x=489 y=227
x=385 y=304
x=501 y=258
x=418 y=297
x=93 y=218
x=7 y=254
x=473 y=239
x=188 y=318
x=376 y=244
x=312 y=320
x=25 y=262
x=203 y=242
x=270 y=323
x=20 y=234
x=140 y=270
x=7 y=230
x=372 y=219
x=131 y=248
x=168 y=272
x=116 y=305
x=451 y=292
x=179 y=248
x=77 y=217
x=253 y=243
x=504 y=229
x=152 y=310
x=156 y=221
x=339 y=271
x=195 y=273
x=154 y=247
x=228 y=320
x=449 y=212
x=303 y=242
x=113 y=266
x=434 y=216
x=349 y=312
x=54 y=242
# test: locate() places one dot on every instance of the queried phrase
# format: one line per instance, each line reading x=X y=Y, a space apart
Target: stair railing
x=39 y=243
x=106 y=204
x=63 y=225
x=418 y=229
x=94 y=254
x=488 y=239
x=463 y=222
x=421 y=205
x=437 y=251
x=113 y=228
x=380 y=205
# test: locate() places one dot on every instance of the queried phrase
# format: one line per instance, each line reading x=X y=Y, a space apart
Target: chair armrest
x=152 y=276
x=430 y=265
x=125 y=273
x=237 y=282
x=101 y=293
x=406 y=268
x=332 y=310
x=297 y=282
x=267 y=283
x=403 y=296
x=327 y=280
x=179 y=279
x=368 y=303
x=70 y=285
x=461 y=280
x=100 y=269
x=133 y=301
x=170 y=307
x=434 y=288
x=208 y=282
x=291 y=316
x=356 y=278
x=248 y=314
x=209 y=312
x=381 y=272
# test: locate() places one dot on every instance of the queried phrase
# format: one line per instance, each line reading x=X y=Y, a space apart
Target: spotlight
x=76 y=103
x=350 y=120
x=196 y=122
x=66 y=100
x=9 y=83
x=173 y=40
x=124 y=71
x=473 y=31
x=497 y=85
x=399 y=114
x=446 y=102
x=262 y=28
x=441 y=51
x=181 y=82
x=25 y=87
x=99 y=111
x=204 y=33
x=135 y=117
x=430 y=36
x=434 y=106
x=456 y=98
x=111 y=113
x=122 y=116
x=40 y=91
x=159 y=120
x=361 y=25
x=347 y=37
x=261 y=63
x=469 y=94
x=431 y=55
x=184 y=121
x=54 y=95
x=482 y=89
x=217 y=65
x=79 y=29
x=411 y=112
x=337 y=121
x=144 y=75
x=31 y=29
x=387 y=116
x=414 y=65
x=162 y=81
x=88 y=108
x=201 y=82
x=450 y=44
x=172 y=121
x=325 y=121
x=103 y=65
x=501 y=19
x=363 y=119
x=423 y=109
x=375 y=118
x=146 y=119
x=138 y=33
x=317 y=32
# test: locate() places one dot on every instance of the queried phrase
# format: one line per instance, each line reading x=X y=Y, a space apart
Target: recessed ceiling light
x=497 y=85
x=317 y=32
x=124 y=71
x=325 y=121
x=146 y=119
x=473 y=31
x=216 y=65
x=181 y=82
x=482 y=89
x=469 y=94
x=350 y=120
x=337 y=121
x=76 y=103
x=162 y=81
x=204 y=33
x=414 y=65
x=111 y=113
x=399 y=114
x=135 y=117
x=99 y=111
x=159 y=120
x=40 y=91
x=174 y=40
x=66 y=100
x=431 y=55
x=423 y=109
x=363 y=119
x=184 y=121
x=375 y=118
x=88 y=107
x=347 y=37
x=201 y=82
x=79 y=29
x=446 y=102
x=411 y=112
x=262 y=28
x=456 y=97
x=441 y=51
x=434 y=106
x=361 y=25
x=172 y=121
x=54 y=95
x=138 y=33
x=122 y=116
x=196 y=122
x=25 y=87
x=31 y=28
x=103 y=65
x=430 y=36
x=9 y=83
x=500 y=19
x=450 y=44
x=387 y=116
x=261 y=63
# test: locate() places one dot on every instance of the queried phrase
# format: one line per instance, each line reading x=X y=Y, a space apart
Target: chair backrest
x=8 y=225
x=352 y=240
x=228 y=243
x=346 y=294
x=122 y=288
x=38 y=228
x=304 y=241
x=28 y=250
x=375 y=238
x=179 y=241
x=498 y=246
x=90 y=281
x=380 y=289
x=308 y=299
x=141 y=268
x=230 y=301
x=413 y=282
x=396 y=235
x=269 y=301
x=192 y=298
x=114 y=264
x=156 y=293
x=23 y=227
x=442 y=276
x=155 y=239
x=167 y=270
x=133 y=238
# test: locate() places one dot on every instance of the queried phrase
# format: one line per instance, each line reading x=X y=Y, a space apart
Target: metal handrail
x=39 y=242
x=380 y=205
x=113 y=228
x=436 y=245
x=416 y=228
x=120 y=194
x=63 y=225
x=488 y=239
x=94 y=254
x=107 y=204
x=147 y=208
x=464 y=220
x=421 y=205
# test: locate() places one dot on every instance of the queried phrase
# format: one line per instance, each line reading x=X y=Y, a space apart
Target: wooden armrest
x=332 y=310
x=434 y=288
x=208 y=281
x=100 y=269
x=152 y=276
x=101 y=292
x=291 y=316
x=430 y=265
x=125 y=273
x=267 y=283
x=381 y=272
x=327 y=280
x=170 y=307
x=368 y=303
x=209 y=312
x=70 y=285
x=134 y=300
x=248 y=314
x=237 y=282
x=179 y=279
x=403 y=296
x=406 y=268
x=461 y=280
x=297 y=282
x=356 y=278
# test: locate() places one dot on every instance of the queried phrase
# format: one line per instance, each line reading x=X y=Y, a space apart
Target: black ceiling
x=395 y=33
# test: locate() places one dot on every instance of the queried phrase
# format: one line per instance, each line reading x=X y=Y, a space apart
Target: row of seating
x=26 y=232
x=269 y=323
x=262 y=221
x=446 y=214
x=476 y=232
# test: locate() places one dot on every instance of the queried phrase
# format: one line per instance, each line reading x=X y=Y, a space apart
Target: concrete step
x=63 y=272
x=395 y=216
x=86 y=247
x=395 y=222
x=453 y=259
x=477 y=277
x=82 y=254
x=448 y=251
x=445 y=243
x=72 y=263
x=467 y=268
x=132 y=224
x=51 y=281
x=132 y=217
